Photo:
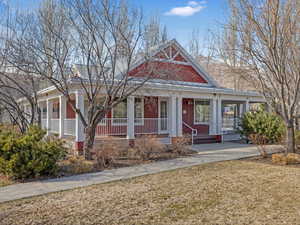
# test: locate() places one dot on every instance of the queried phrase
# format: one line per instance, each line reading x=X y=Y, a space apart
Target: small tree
x=267 y=42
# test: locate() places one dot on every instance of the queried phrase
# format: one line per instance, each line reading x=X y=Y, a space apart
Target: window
x=202 y=111
x=119 y=113
x=138 y=110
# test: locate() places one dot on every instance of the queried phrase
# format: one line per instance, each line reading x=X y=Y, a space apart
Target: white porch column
x=49 y=115
x=219 y=116
x=247 y=106
x=173 y=119
x=179 y=116
x=79 y=129
x=213 y=124
x=241 y=112
x=130 y=118
x=62 y=114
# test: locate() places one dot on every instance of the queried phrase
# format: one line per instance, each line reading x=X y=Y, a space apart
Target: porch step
x=205 y=139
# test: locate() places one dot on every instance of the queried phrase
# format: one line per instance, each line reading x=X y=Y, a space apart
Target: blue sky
x=180 y=16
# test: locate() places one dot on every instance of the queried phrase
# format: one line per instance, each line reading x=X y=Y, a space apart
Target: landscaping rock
x=279 y=159
x=284 y=159
x=293 y=158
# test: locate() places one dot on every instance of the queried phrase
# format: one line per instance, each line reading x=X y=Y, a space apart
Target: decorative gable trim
x=189 y=60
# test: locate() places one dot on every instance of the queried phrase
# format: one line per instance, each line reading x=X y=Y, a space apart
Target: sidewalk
x=207 y=153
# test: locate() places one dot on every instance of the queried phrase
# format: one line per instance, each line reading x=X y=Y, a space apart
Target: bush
x=262 y=123
x=30 y=155
x=179 y=145
x=76 y=165
x=106 y=155
x=260 y=141
x=146 y=146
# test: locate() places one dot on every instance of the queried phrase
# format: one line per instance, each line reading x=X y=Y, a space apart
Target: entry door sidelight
x=163 y=116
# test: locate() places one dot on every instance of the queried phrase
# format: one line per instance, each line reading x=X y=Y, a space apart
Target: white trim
x=112 y=117
x=199 y=123
x=172 y=61
x=125 y=123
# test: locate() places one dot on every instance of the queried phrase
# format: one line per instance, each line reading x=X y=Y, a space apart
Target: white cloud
x=190 y=9
x=193 y=3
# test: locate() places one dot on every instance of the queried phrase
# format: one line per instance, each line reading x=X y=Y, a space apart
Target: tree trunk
x=89 y=142
x=290 y=137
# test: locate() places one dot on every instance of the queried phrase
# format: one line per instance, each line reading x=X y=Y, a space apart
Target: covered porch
x=166 y=115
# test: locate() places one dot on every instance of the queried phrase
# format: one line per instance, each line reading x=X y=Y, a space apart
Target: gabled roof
x=201 y=72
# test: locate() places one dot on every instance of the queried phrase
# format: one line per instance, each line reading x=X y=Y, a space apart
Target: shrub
x=107 y=153
x=30 y=155
x=76 y=165
x=146 y=146
x=262 y=123
x=260 y=141
x=179 y=145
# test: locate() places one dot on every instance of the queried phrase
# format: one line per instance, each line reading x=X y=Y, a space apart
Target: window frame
x=135 y=122
x=209 y=105
x=113 y=119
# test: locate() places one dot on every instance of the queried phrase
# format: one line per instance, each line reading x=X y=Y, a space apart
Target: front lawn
x=233 y=192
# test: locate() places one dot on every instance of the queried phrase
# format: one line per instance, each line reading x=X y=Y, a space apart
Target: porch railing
x=69 y=127
x=118 y=126
x=194 y=132
x=151 y=126
x=112 y=126
x=44 y=123
x=54 y=126
x=230 y=124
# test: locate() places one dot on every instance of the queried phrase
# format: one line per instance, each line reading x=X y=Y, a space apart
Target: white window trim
x=199 y=123
x=135 y=123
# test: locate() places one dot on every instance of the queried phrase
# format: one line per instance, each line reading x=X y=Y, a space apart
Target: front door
x=163 y=114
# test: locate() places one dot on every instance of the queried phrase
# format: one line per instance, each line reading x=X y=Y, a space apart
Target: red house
x=187 y=101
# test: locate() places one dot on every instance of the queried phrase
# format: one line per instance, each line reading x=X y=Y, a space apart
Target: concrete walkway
x=206 y=153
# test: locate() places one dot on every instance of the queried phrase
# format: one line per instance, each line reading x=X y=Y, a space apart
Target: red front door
x=187 y=114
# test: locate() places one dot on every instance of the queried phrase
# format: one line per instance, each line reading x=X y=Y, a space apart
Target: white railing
x=230 y=124
x=54 y=126
x=194 y=132
x=69 y=127
x=118 y=126
x=151 y=126
x=112 y=126
x=44 y=123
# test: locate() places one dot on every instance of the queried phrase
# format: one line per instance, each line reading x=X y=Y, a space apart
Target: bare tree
x=155 y=33
x=89 y=44
x=15 y=84
x=267 y=42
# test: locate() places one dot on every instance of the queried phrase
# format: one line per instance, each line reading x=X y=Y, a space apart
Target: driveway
x=207 y=153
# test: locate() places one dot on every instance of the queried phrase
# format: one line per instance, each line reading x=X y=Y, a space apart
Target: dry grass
x=234 y=192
